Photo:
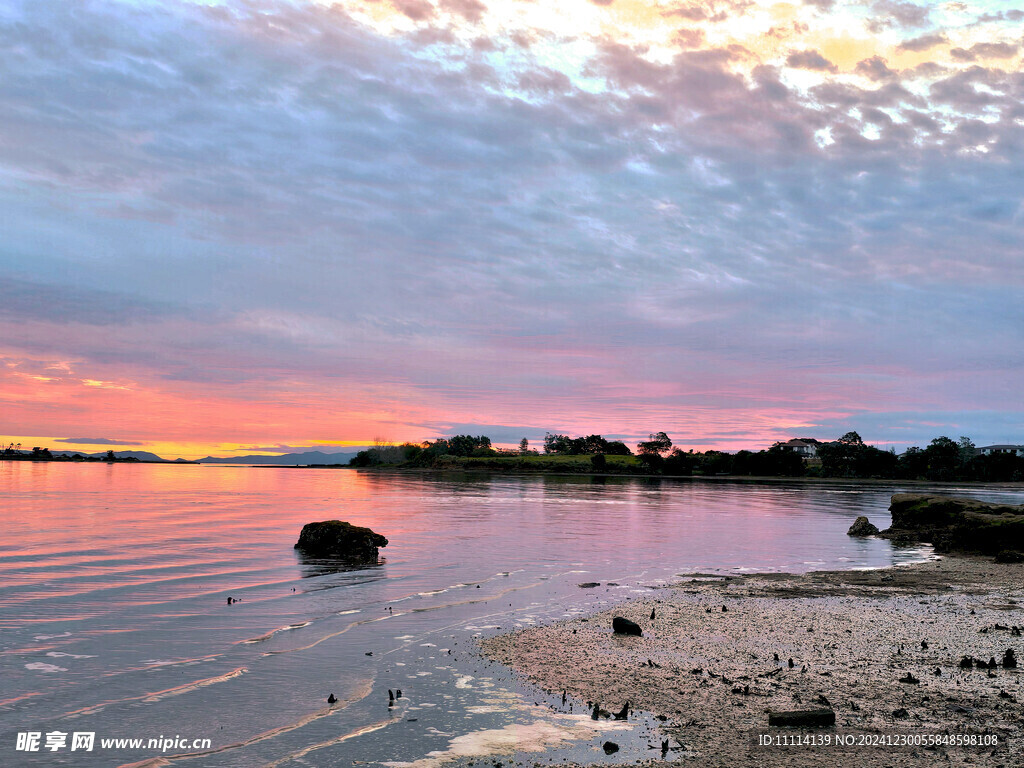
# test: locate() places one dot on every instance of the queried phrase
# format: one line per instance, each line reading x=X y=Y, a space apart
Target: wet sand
x=712 y=674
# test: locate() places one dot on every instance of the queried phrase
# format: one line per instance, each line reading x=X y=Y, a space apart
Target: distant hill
x=140 y=455
x=289 y=459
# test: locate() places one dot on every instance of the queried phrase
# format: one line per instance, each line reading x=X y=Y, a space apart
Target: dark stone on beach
x=623 y=626
x=909 y=679
x=966 y=662
x=956 y=524
x=862 y=527
x=924 y=645
x=622 y=714
x=804 y=718
x=589 y=584
x=331 y=699
x=596 y=713
x=1009 y=659
x=340 y=539
x=791 y=664
x=610 y=747
x=652 y=614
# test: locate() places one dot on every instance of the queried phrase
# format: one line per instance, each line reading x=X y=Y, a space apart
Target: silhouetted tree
x=658 y=443
x=913 y=463
x=943 y=458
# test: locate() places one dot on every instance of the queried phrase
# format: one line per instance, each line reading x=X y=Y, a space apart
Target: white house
x=807 y=447
x=988 y=450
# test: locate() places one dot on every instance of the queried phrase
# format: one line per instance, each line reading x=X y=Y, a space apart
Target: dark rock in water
x=623 y=626
x=340 y=539
x=804 y=718
x=331 y=699
x=610 y=747
x=1009 y=659
x=862 y=527
x=954 y=524
x=589 y=584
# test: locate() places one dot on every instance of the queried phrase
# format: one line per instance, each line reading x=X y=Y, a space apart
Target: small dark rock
x=862 y=527
x=331 y=699
x=623 y=626
x=966 y=662
x=589 y=584
x=1009 y=659
x=610 y=747
x=807 y=718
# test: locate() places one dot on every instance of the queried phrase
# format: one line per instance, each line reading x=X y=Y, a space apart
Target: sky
x=254 y=225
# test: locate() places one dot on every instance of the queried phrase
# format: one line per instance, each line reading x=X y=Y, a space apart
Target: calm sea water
x=114 y=618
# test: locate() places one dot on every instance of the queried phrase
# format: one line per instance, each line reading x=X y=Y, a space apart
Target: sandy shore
x=712 y=674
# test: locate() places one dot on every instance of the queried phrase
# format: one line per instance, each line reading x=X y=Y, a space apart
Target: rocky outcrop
x=954 y=524
x=862 y=527
x=336 y=538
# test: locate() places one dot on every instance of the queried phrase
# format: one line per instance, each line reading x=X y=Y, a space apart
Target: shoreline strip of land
x=917 y=649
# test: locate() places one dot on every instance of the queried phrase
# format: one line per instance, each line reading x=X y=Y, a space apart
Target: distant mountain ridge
x=288 y=459
x=140 y=455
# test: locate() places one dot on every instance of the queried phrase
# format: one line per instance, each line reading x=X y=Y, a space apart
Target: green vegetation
x=846 y=457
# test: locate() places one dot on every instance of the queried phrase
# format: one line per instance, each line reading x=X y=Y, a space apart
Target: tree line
x=943 y=459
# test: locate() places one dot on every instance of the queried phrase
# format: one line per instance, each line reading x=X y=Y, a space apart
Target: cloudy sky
x=256 y=223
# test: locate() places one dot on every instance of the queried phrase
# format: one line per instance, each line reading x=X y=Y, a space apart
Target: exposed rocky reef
x=336 y=538
x=956 y=524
